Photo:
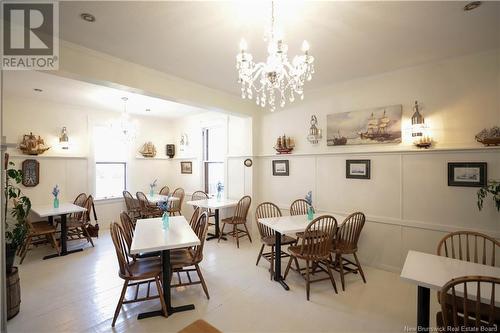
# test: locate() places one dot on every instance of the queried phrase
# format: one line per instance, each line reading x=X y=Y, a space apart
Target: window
x=110 y=154
x=214 y=147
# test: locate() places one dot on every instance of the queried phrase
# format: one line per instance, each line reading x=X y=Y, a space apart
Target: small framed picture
x=357 y=169
x=187 y=167
x=281 y=168
x=469 y=174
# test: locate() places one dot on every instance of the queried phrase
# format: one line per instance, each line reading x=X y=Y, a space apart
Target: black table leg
x=423 y=309
x=166 y=273
x=277 y=262
x=63 y=239
x=217 y=228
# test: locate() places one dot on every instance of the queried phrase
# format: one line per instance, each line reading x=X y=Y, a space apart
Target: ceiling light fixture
x=472 y=5
x=275 y=76
x=147 y=110
x=37 y=90
x=87 y=17
x=126 y=127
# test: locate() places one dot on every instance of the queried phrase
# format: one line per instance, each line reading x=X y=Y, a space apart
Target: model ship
x=284 y=145
x=33 y=145
x=424 y=142
x=148 y=150
x=339 y=140
x=489 y=137
x=377 y=129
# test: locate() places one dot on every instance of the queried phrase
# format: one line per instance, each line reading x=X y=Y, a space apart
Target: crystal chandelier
x=125 y=127
x=276 y=80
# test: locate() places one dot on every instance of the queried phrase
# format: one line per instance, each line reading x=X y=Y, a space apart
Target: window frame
x=124 y=178
x=206 y=154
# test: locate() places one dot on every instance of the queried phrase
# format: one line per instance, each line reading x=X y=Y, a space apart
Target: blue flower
x=55 y=191
x=220 y=187
x=309 y=198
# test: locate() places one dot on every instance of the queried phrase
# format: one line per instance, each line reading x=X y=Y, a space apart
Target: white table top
x=49 y=210
x=433 y=272
x=149 y=235
x=213 y=203
x=287 y=225
x=160 y=198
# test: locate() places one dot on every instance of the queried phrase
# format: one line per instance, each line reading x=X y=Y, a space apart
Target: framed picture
x=357 y=169
x=281 y=168
x=469 y=174
x=31 y=173
x=187 y=167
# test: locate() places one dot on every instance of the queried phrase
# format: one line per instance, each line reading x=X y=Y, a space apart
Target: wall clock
x=31 y=173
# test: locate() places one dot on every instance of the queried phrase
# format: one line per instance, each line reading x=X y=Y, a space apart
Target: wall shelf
x=61 y=157
x=165 y=158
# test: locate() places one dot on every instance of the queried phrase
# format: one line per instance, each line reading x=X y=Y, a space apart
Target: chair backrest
x=265 y=210
x=128 y=228
x=199 y=195
x=89 y=204
x=79 y=201
x=121 y=248
x=178 y=193
x=130 y=202
x=165 y=190
x=201 y=228
x=318 y=237
x=194 y=218
x=350 y=230
x=461 y=310
x=299 y=207
x=143 y=200
x=469 y=246
x=241 y=211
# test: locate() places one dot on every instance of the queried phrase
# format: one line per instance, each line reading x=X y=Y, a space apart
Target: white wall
x=407 y=201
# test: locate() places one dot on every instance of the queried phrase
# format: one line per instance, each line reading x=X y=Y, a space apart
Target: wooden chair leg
x=341 y=265
x=297 y=264
x=203 y=284
x=221 y=232
x=359 y=267
x=288 y=266
x=248 y=234
x=86 y=233
x=331 y=277
x=120 y=302
x=25 y=250
x=54 y=242
x=308 y=283
x=260 y=254
x=272 y=262
x=235 y=231
x=160 y=293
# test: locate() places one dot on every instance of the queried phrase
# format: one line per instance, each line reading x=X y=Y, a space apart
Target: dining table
x=151 y=236
x=289 y=225
x=49 y=212
x=214 y=204
x=430 y=271
x=156 y=198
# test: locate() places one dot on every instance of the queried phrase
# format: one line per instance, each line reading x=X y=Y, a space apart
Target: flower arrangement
x=310 y=209
x=55 y=191
x=220 y=188
x=164 y=205
x=493 y=188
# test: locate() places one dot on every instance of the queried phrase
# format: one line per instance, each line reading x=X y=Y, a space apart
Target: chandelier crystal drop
x=277 y=80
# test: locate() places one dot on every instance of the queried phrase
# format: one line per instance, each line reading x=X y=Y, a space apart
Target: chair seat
x=343 y=247
x=230 y=220
x=313 y=233
x=295 y=250
x=42 y=228
x=271 y=240
x=181 y=258
x=145 y=269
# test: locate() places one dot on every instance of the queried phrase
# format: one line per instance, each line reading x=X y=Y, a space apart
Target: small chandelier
x=276 y=78
x=126 y=127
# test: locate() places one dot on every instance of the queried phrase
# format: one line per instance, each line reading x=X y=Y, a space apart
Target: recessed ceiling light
x=37 y=90
x=87 y=17
x=472 y=5
x=147 y=110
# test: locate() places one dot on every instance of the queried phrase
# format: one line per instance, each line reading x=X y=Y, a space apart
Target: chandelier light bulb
x=305 y=46
x=243 y=45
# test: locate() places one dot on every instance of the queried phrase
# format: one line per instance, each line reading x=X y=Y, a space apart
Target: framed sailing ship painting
x=376 y=125
x=468 y=174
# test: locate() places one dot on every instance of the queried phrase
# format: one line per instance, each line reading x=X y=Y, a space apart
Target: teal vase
x=165 y=219
x=151 y=192
x=56 y=202
x=310 y=213
x=219 y=195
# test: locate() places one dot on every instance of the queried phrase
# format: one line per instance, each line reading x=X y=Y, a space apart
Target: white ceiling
x=72 y=92
x=198 y=40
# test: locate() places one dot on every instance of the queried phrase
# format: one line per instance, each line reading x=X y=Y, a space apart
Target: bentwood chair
x=165 y=190
x=37 y=232
x=469 y=313
x=299 y=207
x=315 y=249
x=77 y=223
x=128 y=229
x=202 y=195
x=194 y=218
x=239 y=218
x=188 y=260
x=267 y=235
x=135 y=273
x=470 y=246
x=79 y=201
x=133 y=206
x=175 y=206
x=346 y=243
x=148 y=210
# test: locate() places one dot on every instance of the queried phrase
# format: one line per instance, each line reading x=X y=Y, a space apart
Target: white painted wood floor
x=79 y=292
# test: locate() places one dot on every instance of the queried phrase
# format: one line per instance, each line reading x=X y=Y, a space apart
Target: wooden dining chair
x=299 y=207
x=202 y=195
x=268 y=236
x=187 y=260
x=194 y=218
x=175 y=206
x=239 y=218
x=346 y=243
x=77 y=223
x=133 y=206
x=468 y=312
x=79 y=201
x=165 y=190
x=38 y=232
x=470 y=246
x=128 y=228
x=148 y=209
x=315 y=249
x=135 y=273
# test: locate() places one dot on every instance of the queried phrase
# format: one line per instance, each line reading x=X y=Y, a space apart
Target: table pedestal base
x=55 y=255
x=217 y=229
